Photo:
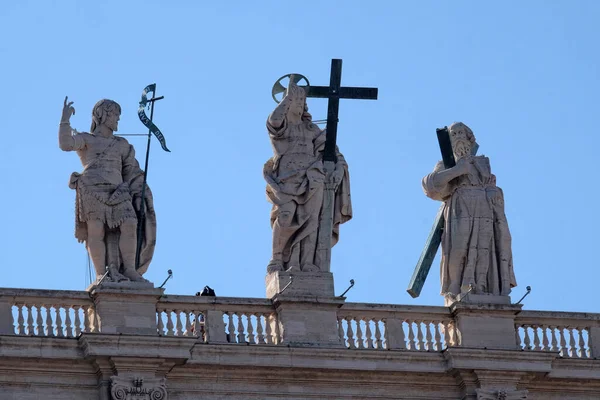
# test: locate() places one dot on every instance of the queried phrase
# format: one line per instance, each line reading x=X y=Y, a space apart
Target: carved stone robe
x=111 y=178
x=476 y=242
x=295 y=174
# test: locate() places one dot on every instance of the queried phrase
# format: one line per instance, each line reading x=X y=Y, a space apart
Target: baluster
x=277 y=334
x=198 y=326
x=437 y=338
x=68 y=323
x=368 y=333
x=428 y=336
x=20 y=320
x=39 y=321
x=251 y=338
x=518 y=336
x=341 y=329
x=359 y=333
x=240 y=329
x=526 y=339
x=554 y=340
x=563 y=342
x=446 y=329
x=268 y=329
x=86 y=319
x=77 y=323
x=378 y=342
x=455 y=341
x=350 y=333
x=188 y=324
x=260 y=337
x=170 y=325
x=536 y=338
x=160 y=327
x=49 y=327
x=230 y=330
x=178 y=324
x=545 y=341
x=582 y=350
x=59 y=325
x=412 y=345
x=95 y=323
x=572 y=345
x=420 y=338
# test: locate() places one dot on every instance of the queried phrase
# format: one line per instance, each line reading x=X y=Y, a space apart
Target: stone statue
x=476 y=242
x=295 y=185
x=108 y=194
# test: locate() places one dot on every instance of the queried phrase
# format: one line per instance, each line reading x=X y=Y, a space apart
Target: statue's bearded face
x=298 y=103
x=112 y=120
x=461 y=145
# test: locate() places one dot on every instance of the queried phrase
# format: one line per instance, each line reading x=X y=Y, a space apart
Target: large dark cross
x=435 y=235
x=334 y=92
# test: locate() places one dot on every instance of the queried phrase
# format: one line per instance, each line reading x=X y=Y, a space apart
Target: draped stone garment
x=295 y=175
x=476 y=242
x=105 y=189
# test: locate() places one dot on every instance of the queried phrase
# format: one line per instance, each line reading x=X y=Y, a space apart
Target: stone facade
x=76 y=345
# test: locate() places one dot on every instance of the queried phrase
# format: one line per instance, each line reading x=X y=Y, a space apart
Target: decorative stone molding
x=501 y=394
x=137 y=389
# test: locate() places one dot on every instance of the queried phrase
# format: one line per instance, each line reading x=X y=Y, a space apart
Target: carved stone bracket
x=138 y=389
x=501 y=394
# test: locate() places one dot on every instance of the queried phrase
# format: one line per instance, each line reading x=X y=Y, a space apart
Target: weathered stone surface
x=476 y=241
x=308 y=321
x=126 y=309
x=490 y=326
x=296 y=185
x=319 y=284
x=109 y=195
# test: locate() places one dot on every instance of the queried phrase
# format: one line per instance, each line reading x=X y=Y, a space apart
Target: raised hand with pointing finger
x=67 y=111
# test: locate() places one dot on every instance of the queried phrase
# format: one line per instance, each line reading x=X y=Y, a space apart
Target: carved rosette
x=502 y=394
x=138 y=389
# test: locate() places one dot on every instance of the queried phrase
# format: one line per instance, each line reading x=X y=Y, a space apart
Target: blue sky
x=522 y=75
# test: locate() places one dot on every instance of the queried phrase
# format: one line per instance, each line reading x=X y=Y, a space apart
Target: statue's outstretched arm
x=278 y=115
x=66 y=141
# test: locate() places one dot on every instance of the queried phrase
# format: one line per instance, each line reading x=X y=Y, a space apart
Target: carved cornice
x=138 y=389
x=501 y=394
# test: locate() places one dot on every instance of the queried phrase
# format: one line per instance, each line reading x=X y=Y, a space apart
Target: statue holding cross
x=476 y=242
x=307 y=178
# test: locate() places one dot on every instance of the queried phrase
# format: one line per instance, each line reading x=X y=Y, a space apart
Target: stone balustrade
x=571 y=334
x=248 y=321
x=232 y=320
x=51 y=313
x=395 y=327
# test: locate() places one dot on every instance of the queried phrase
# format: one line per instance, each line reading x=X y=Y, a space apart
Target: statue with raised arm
x=108 y=194
x=476 y=242
x=295 y=186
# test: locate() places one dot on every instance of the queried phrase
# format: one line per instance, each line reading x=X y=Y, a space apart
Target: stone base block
x=472 y=298
x=489 y=326
x=319 y=284
x=126 y=309
x=304 y=322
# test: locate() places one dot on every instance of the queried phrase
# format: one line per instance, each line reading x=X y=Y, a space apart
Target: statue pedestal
x=128 y=308
x=486 y=325
x=307 y=321
x=318 y=284
x=472 y=298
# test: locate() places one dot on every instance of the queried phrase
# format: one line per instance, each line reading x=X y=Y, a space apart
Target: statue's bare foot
x=133 y=275
x=113 y=273
x=449 y=299
x=310 y=268
x=293 y=268
x=274 y=266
